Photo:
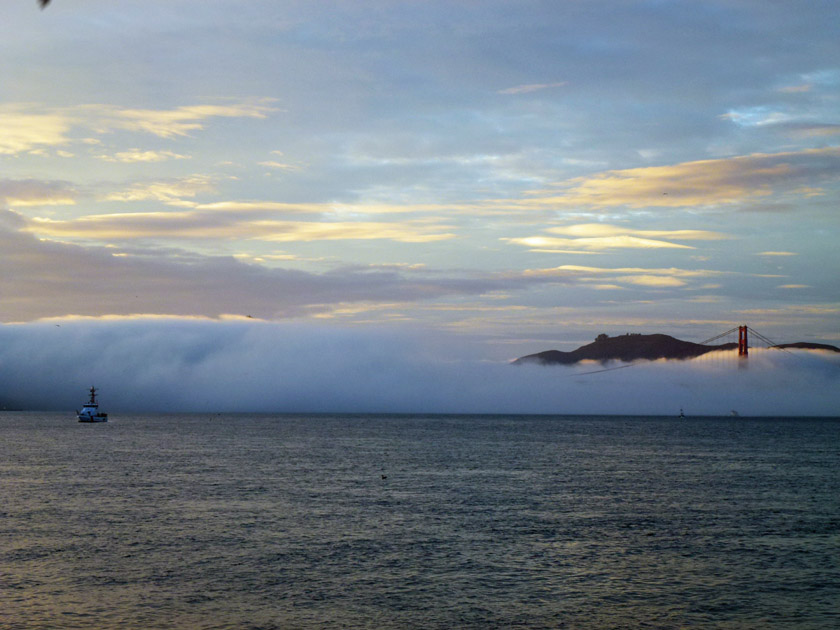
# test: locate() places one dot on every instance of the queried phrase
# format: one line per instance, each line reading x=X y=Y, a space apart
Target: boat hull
x=98 y=418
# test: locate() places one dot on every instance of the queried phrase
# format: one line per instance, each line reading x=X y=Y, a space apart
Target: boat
x=682 y=413
x=90 y=412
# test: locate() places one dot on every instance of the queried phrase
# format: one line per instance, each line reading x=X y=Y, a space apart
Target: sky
x=400 y=197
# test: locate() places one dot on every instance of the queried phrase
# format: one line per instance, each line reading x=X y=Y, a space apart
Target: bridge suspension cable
x=721 y=335
x=770 y=343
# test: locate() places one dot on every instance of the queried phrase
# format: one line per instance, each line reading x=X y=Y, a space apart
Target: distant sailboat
x=90 y=412
x=682 y=414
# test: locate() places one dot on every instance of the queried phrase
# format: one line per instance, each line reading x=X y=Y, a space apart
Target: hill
x=634 y=347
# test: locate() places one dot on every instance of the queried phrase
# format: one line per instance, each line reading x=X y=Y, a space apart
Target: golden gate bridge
x=719 y=355
x=743 y=340
x=722 y=355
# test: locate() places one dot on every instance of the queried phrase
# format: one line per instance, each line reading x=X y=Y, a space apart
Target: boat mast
x=92 y=395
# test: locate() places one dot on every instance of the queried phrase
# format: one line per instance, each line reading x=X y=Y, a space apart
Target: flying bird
x=43 y=3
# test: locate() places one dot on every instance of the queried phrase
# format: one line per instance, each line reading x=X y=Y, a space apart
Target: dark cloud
x=49 y=279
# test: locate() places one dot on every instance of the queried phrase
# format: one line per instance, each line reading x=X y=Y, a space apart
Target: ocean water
x=294 y=521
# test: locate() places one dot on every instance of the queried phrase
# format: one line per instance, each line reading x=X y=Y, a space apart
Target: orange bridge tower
x=743 y=343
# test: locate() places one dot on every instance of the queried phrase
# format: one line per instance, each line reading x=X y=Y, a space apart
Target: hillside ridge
x=636 y=346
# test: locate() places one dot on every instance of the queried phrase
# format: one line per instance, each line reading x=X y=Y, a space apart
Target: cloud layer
x=50 y=279
x=182 y=365
x=702 y=183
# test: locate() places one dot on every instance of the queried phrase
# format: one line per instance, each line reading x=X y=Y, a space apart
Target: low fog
x=181 y=365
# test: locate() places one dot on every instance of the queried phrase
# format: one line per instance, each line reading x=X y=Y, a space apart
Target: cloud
x=255 y=208
x=700 y=183
x=335 y=209
x=607 y=230
x=222 y=224
x=797 y=89
x=757 y=117
x=245 y=365
x=549 y=243
x=29 y=128
x=166 y=123
x=603 y=237
x=136 y=155
x=811 y=130
x=654 y=281
x=777 y=254
x=35 y=192
x=669 y=271
x=22 y=130
x=172 y=191
x=531 y=87
x=819 y=310
x=42 y=278
x=279 y=165
x=607 y=278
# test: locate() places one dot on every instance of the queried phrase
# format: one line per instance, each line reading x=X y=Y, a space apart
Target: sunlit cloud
x=22 y=130
x=809 y=191
x=263 y=207
x=27 y=128
x=230 y=225
x=602 y=230
x=706 y=299
x=548 y=243
x=340 y=209
x=171 y=192
x=654 y=281
x=795 y=286
x=700 y=183
x=602 y=278
x=282 y=231
x=605 y=287
x=166 y=123
x=136 y=155
x=665 y=271
x=273 y=258
x=777 y=254
x=603 y=237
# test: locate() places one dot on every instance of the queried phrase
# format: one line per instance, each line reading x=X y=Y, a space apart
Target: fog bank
x=202 y=365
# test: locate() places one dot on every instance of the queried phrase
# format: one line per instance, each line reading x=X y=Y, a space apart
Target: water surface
x=260 y=521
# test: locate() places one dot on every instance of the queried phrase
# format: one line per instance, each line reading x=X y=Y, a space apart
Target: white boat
x=90 y=412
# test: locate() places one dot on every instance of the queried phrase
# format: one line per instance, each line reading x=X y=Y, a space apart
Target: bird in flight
x=43 y=3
